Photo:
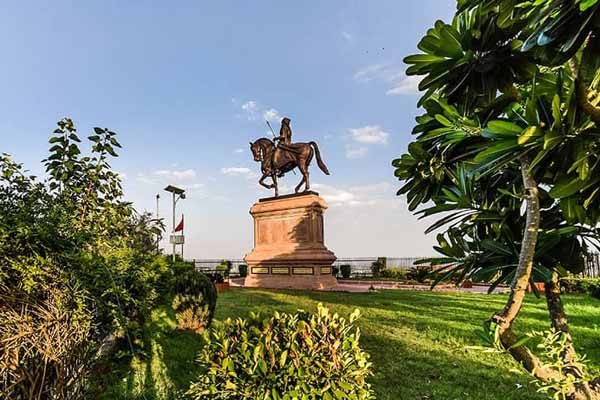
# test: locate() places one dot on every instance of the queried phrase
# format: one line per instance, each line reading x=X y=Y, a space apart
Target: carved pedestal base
x=289 y=250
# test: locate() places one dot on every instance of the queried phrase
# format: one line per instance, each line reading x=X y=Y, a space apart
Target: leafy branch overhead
x=507 y=151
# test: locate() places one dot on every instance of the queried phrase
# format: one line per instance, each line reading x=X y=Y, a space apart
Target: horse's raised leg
x=262 y=182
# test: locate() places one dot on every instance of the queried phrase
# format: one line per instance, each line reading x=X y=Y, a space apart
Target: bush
x=378 y=267
x=335 y=270
x=573 y=284
x=243 y=270
x=346 y=270
x=419 y=273
x=195 y=300
x=286 y=356
x=394 y=273
x=46 y=341
x=223 y=270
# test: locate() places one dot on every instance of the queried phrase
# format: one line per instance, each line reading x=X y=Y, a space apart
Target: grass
x=417 y=340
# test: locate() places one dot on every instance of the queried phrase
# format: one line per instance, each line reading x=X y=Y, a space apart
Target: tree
x=507 y=152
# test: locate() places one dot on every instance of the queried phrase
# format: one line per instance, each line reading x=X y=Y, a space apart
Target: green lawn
x=417 y=342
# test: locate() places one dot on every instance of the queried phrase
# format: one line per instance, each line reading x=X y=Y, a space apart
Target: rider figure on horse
x=284 y=139
x=285 y=133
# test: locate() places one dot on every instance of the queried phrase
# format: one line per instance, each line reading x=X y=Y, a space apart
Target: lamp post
x=157 y=220
x=177 y=193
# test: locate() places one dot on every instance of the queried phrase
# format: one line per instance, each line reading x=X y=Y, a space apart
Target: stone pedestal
x=289 y=249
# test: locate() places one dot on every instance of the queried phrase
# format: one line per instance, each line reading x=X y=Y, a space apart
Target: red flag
x=180 y=226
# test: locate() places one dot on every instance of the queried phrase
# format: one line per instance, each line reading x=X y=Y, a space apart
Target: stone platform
x=289 y=248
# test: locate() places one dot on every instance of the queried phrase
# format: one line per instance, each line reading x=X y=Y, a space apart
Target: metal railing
x=361 y=266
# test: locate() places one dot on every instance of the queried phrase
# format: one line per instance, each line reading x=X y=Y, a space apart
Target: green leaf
x=497 y=150
x=451 y=42
x=568 y=186
x=423 y=59
x=529 y=134
x=504 y=128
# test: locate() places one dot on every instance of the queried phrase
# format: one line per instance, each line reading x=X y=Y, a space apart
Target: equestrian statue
x=278 y=159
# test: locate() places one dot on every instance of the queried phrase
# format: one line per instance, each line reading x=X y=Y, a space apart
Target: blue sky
x=188 y=84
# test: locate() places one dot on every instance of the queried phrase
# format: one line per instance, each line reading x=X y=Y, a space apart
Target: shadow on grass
x=164 y=370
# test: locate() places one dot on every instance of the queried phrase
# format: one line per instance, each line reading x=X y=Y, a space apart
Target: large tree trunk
x=507 y=316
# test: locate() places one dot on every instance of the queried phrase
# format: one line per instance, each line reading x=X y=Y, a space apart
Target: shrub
x=377 y=267
x=573 y=284
x=335 y=270
x=419 y=273
x=223 y=270
x=285 y=356
x=46 y=341
x=346 y=270
x=394 y=273
x=196 y=296
x=243 y=270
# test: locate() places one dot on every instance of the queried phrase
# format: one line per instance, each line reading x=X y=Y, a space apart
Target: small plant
x=285 y=356
x=223 y=270
x=196 y=296
x=243 y=270
x=419 y=273
x=346 y=270
x=553 y=346
x=573 y=284
x=377 y=267
x=395 y=274
x=335 y=270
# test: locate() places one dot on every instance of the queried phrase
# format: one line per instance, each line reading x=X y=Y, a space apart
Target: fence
x=361 y=266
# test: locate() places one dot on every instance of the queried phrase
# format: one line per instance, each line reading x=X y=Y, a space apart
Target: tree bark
x=505 y=318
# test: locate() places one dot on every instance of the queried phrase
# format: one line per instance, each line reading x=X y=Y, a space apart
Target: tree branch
x=507 y=316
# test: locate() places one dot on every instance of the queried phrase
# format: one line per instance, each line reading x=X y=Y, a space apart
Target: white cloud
x=356 y=195
x=370 y=134
x=391 y=75
x=253 y=110
x=408 y=85
x=272 y=115
x=239 y=171
x=185 y=178
x=178 y=175
x=238 y=151
x=250 y=106
x=356 y=152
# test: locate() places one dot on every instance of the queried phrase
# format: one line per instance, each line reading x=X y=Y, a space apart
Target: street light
x=178 y=193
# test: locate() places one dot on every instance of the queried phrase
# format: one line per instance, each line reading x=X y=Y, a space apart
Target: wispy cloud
x=178 y=175
x=238 y=151
x=185 y=178
x=254 y=110
x=356 y=152
x=239 y=171
x=409 y=85
x=354 y=196
x=272 y=115
x=370 y=134
x=391 y=75
x=348 y=37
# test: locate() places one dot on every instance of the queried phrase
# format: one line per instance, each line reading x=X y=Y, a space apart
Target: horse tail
x=320 y=162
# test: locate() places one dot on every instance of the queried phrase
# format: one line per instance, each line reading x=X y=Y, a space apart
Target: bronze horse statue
x=276 y=161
